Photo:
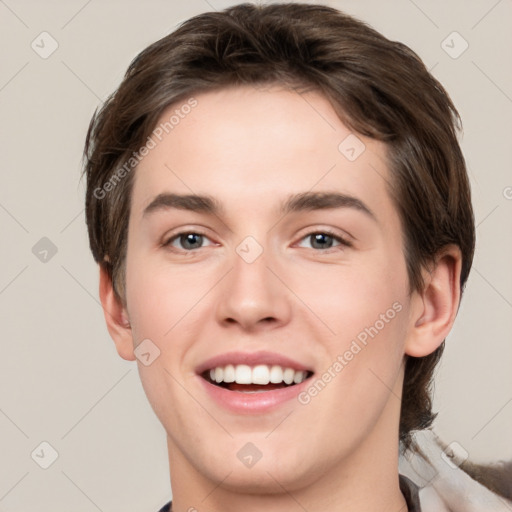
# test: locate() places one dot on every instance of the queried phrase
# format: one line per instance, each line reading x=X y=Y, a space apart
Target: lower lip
x=240 y=402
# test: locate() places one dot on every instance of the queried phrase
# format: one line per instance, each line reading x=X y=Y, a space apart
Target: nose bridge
x=251 y=291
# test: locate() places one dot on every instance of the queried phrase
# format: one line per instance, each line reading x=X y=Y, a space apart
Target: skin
x=251 y=148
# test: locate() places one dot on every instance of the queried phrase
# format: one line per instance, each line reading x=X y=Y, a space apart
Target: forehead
x=251 y=148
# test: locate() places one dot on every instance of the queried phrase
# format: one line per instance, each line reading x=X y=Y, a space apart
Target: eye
x=325 y=239
x=188 y=240
x=191 y=240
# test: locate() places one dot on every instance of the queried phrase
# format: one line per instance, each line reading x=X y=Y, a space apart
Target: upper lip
x=251 y=359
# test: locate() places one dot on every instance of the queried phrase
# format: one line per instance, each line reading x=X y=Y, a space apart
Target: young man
x=281 y=214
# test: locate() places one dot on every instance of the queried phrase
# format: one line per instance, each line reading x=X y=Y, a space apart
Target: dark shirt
x=408 y=487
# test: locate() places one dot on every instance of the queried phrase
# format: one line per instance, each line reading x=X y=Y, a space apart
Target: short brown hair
x=379 y=88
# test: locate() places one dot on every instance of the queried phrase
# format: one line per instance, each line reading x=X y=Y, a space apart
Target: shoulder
x=167 y=507
x=442 y=483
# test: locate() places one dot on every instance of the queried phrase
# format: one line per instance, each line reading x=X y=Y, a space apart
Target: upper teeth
x=260 y=374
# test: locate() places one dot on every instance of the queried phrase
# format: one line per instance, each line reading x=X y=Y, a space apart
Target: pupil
x=321 y=238
x=188 y=239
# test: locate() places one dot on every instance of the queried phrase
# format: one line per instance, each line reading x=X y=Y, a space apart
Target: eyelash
x=342 y=241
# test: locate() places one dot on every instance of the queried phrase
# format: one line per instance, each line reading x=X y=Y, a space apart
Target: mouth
x=261 y=378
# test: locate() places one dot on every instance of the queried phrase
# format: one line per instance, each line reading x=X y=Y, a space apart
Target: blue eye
x=324 y=240
x=188 y=240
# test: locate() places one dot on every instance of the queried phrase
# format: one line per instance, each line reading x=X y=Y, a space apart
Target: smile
x=256 y=379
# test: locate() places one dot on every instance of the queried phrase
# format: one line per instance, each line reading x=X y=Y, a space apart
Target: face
x=291 y=269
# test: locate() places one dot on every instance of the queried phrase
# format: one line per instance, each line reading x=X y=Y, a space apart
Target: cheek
x=158 y=302
x=158 y=296
x=364 y=305
x=361 y=374
x=349 y=297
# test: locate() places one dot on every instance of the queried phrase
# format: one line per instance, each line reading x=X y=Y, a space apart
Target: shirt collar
x=411 y=493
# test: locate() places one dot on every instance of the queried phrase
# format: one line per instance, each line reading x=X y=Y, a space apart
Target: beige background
x=61 y=380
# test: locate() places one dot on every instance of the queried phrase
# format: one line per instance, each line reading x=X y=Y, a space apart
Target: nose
x=254 y=295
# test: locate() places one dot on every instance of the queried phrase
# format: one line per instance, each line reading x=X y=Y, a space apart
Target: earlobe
x=116 y=317
x=433 y=311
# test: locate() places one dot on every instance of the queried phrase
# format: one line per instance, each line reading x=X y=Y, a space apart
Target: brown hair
x=380 y=88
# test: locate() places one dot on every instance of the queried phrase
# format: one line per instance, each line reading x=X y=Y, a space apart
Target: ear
x=116 y=317
x=433 y=311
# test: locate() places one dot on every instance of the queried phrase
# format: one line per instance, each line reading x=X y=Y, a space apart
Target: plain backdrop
x=61 y=380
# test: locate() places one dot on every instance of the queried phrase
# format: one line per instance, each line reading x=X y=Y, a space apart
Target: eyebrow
x=305 y=201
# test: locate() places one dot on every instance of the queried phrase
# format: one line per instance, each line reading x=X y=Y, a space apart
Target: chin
x=268 y=475
x=265 y=480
